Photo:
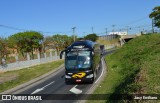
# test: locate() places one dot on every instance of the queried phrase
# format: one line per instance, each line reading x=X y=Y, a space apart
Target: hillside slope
x=133 y=69
x=140 y=60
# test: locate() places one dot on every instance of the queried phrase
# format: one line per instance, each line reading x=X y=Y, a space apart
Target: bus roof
x=85 y=43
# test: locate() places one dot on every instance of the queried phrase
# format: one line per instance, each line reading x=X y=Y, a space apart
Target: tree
x=92 y=37
x=155 y=15
x=59 y=42
x=26 y=42
x=3 y=49
x=48 y=42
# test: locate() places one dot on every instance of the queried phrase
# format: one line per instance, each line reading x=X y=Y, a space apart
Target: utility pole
x=152 y=26
x=74 y=36
x=84 y=33
x=106 y=31
x=113 y=28
x=92 y=29
x=140 y=31
x=113 y=31
x=127 y=29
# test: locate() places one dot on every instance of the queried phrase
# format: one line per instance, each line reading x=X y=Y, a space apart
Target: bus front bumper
x=77 y=80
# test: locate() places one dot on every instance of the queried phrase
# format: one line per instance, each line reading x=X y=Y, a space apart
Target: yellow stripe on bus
x=79 y=75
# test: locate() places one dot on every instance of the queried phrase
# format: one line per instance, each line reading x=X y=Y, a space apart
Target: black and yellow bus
x=82 y=59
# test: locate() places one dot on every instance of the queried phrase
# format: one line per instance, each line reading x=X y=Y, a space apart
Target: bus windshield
x=78 y=60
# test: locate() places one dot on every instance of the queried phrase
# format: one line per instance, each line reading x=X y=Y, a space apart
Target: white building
x=118 y=33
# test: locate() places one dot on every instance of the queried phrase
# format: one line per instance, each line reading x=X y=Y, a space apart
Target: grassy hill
x=133 y=69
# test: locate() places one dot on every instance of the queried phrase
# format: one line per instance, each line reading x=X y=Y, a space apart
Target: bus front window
x=78 y=60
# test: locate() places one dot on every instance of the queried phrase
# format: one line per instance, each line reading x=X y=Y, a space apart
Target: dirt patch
x=140 y=78
x=8 y=77
x=1 y=72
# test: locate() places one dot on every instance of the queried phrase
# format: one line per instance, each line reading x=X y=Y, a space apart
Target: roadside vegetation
x=11 y=79
x=109 y=42
x=15 y=47
x=133 y=69
x=31 y=42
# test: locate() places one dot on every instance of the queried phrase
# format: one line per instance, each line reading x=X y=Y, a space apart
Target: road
x=55 y=87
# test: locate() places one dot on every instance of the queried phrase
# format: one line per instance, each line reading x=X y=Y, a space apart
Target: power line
x=13 y=28
x=130 y=28
x=20 y=29
x=135 y=21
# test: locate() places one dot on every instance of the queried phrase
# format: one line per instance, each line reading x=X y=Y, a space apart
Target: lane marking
x=48 y=84
x=40 y=89
x=75 y=90
x=101 y=72
x=37 y=90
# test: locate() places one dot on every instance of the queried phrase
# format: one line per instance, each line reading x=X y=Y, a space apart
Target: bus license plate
x=78 y=80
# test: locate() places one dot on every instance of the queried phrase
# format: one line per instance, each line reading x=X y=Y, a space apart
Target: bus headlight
x=66 y=76
x=89 y=76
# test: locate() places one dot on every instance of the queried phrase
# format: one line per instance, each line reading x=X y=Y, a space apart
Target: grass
x=18 y=77
x=133 y=69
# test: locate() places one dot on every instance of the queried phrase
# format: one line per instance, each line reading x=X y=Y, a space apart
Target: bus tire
x=91 y=82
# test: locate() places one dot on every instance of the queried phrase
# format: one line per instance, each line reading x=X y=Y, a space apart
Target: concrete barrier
x=28 y=63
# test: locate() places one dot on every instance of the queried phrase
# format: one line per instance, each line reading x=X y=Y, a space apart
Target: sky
x=88 y=16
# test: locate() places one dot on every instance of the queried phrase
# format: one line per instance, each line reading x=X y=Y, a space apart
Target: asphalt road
x=56 y=88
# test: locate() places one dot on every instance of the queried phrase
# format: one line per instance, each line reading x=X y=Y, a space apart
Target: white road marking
x=48 y=84
x=40 y=89
x=101 y=72
x=37 y=90
x=75 y=90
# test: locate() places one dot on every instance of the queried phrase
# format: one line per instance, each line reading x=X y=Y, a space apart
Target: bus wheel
x=91 y=82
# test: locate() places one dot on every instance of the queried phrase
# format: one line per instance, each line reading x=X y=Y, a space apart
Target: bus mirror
x=61 y=54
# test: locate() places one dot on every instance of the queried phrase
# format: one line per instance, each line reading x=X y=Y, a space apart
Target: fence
x=28 y=63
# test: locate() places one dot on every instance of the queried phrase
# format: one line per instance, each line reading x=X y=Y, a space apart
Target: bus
x=82 y=60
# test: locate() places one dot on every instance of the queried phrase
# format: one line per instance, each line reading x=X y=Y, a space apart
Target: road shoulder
x=32 y=82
